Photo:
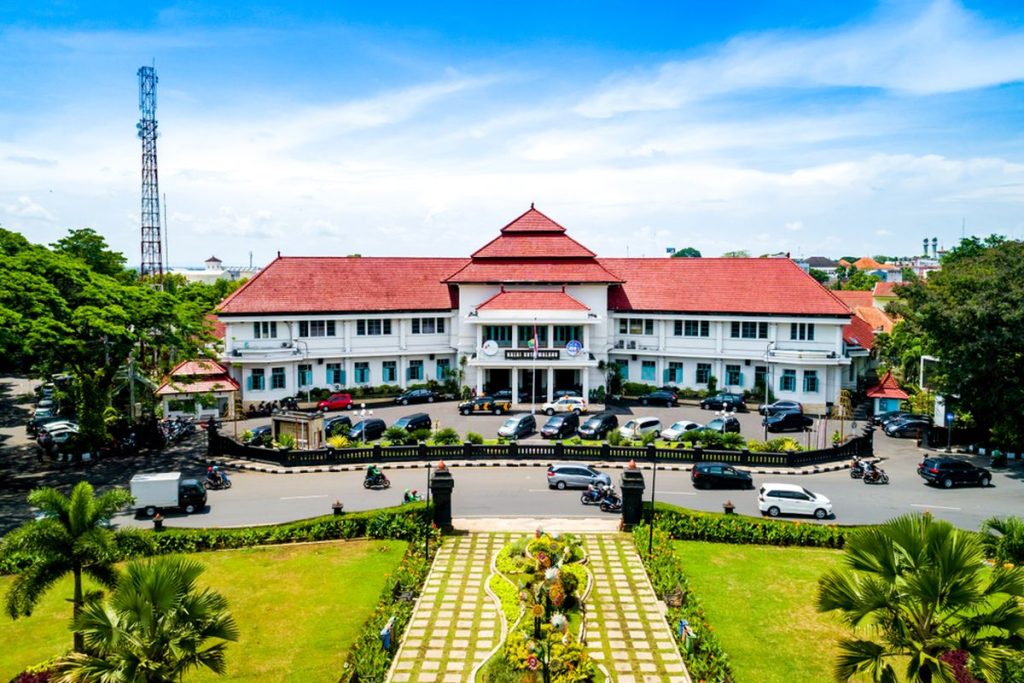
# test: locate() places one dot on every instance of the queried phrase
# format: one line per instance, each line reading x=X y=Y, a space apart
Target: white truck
x=167 y=490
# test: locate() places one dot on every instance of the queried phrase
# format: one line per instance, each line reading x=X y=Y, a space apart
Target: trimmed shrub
x=398 y=436
x=473 y=437
x=636 y=389
x=689 y=525
x=447 y=437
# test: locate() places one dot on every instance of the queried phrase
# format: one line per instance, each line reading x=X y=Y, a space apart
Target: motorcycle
x=857 y=468
x=377 y=482
x=593 y=495
x=217 y=483
x=876 y=476
x=612 y=502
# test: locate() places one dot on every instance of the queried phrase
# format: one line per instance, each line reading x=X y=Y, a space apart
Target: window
x=277 y=378
x=811 y=381
x=443 y=365
x=692 y=328
x=636 y=326
x=390 y=371
x=749 y=330
x=372 y=327
x=564 y=334
x=362 y=373
x=788 y=380
x=622 y=367
x=501 y=334
x=647 y=371
x=264 y=330
x=303 y=328
x=335 y=375
x=305 y=375
x=316 y=328
x=760 y=375
x=256 y=378
x=428 y=325
x=703 y=373
x=415 y=370
x=733 y=376
x=526 y=334
x=675 y=372
x=801 y=331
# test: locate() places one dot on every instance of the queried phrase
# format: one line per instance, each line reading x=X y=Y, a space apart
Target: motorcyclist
x=410 y=496
x=373 y=473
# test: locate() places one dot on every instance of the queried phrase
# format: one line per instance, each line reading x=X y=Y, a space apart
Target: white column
x=661 y=334
x=346 y=331
x=403 y=374
x=350 y=377
x=551 y=382
x=515 y=336
x=585 y=377
x=551 y=339
x=586 y=339
x=479 y=381
x=402 y=322
x=515 y=384
x=479 y=336
x=719 y=335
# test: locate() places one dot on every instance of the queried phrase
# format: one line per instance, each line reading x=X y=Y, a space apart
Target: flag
x=533 y=342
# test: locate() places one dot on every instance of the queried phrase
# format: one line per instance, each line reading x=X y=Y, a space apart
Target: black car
x=485 y=404
x=333 y=426
x=719 y=475
x=913 y=427
x=598 y=426
x=950 y=471
x=781 y=407
x=367 y=430
x=414 y=422
x=659 y=397
x=261 y=436
x=882 y=418
x=524 y=396
x=787 y=422
x=896 y=417
x=560 y=426
x=36 y=422
x=724 y=425
x=724 y=401
x=416 y=396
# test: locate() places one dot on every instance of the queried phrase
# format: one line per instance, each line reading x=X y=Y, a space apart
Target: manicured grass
x=299 y=608
x=760 y=599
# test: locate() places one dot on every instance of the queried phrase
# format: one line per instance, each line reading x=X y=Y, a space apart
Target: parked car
x=719 y=475
x=560 y=426
x=565 y=404
x=335 y=402
x=781 y=407
x=414 y=422
x=33 y=425
x=950 y=471
x=506 y=395
x=679 y=429
x=263 y=436
x=889 y=415
x=416 y=396
x=638 y=426
x=668 y=398
x=573 y=475
x=333 y=426
x=790 y=499
x=370 y=429
x=559 y=393
x=598 y=426
x=485 y=404
x=58 y=438
x=724 y=401
x=912 y=427
x=787 y=422
x=57 y=425
x=40 y=413
x=724 y=425
x=904 y=416
x=518 y=426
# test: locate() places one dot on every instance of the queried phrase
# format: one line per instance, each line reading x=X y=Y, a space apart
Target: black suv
x=333 y=426
x=598 y=426
x=710 y=475
x=416 y=396
x=560 y=426
x=669 y=398
x=524 y=396
x=949 y=471
x=724 y=425
x=414 y=422
x=787 y=422
x=724 y=401
x=369 y=429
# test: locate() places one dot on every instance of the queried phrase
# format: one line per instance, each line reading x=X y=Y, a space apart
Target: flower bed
x=689 y=525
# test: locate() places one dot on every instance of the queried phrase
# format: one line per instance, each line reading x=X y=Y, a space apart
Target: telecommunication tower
x=152 y=260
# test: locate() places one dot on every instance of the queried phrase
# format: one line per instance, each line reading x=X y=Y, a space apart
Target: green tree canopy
x=89 y=247
x=739 y=253
x=819 y=275
x=687 y=252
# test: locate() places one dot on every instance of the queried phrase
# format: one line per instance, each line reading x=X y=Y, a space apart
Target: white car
x=565 y=404
x=790 y=499
x=58 y=425
x=678 y=429
x=638 y=426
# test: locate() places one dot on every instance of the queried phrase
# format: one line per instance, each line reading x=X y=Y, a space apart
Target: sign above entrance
x=490 y=347
x=525 y=354
x=573 y=348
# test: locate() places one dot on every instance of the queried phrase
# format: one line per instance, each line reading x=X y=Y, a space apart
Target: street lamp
x=426 y=545
x=767 y=383
x=650 y=521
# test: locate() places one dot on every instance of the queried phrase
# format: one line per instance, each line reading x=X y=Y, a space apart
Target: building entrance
x=527 y=394
x=568 y=379
x=497 y=379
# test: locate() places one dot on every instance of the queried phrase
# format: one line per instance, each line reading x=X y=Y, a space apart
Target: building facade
x=535 y=311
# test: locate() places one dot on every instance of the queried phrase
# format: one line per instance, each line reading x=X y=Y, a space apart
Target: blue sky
x=405 y=128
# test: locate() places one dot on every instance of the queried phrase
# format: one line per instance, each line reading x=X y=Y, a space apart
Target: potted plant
x=286 y=442
x=837 y=439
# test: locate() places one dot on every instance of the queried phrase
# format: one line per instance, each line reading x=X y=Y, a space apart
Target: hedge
x=690 y=525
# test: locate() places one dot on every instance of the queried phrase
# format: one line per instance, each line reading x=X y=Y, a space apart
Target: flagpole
x=533 y=378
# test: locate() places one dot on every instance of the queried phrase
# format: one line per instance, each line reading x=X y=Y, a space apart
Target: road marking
x=302 y=497
x=679 y=493
x=940 y=507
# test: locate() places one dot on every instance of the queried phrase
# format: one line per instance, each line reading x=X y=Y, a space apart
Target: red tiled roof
x=868 y=263
x=555 y=271
x=887 y=388
x=719 y=285
x=527 y=245
x=533 y=221
x=884 y=289
x=198 y=368
x=859 y=332
x=324 y=284
x=217 y=328
x=200 y=386
x=531 y=301
x=875 y=317
x=854 y=298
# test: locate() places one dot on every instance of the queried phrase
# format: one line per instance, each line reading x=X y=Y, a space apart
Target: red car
x=335 y=402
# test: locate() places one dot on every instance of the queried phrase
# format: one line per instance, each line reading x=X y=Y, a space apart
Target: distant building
x=822 y=263
x=214 y=270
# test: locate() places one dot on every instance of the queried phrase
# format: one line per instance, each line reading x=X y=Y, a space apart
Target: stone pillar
x=632 y=485
x=585 y=381
x=551 y=385
x=441 y=485
x=515 y=385
x=515 y=336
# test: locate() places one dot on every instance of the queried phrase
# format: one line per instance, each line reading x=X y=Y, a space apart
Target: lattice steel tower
x=152 y=259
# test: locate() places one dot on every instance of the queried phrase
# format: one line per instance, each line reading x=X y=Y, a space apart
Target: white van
x=790 y=499
x=638 y=426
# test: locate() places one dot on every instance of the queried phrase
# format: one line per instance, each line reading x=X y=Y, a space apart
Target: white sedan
x=678 y=429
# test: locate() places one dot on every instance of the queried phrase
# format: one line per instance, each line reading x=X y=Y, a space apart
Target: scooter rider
x=373 y=472
x=411 y=496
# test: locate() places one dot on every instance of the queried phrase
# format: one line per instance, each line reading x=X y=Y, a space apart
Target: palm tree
x=1003 y=539
x=917 y=588
x=72 y=535
x=154 y=627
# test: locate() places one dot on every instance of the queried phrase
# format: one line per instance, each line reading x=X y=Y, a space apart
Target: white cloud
x=25 y=208
x=795 y=226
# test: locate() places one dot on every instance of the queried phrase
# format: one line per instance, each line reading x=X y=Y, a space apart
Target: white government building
x=344 y=322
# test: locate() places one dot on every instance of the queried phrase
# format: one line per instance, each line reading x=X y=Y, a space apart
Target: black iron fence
x=861 y=446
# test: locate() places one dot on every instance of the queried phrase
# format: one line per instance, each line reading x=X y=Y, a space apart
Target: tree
x=688 y=252
x=739 y=253
x=971 y=247
x=901 y=349
x=918 y=589
x=972 y=315
x=819 y=275
x=71 y=537
x=1003 y=539
x=89 y=247
x=155 y=627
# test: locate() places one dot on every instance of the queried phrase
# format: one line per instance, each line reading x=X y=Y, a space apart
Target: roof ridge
x=540 y=213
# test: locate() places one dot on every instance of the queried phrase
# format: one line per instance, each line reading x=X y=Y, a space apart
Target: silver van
x=574 y=475
x=518 y=426
x=638 y=426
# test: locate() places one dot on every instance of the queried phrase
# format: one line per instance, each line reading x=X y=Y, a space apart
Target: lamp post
x=767 y=382
x=305 y=357
x=654 y=483
x=426 y=546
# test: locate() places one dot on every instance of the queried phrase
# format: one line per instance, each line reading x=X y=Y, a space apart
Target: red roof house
x=887 y=388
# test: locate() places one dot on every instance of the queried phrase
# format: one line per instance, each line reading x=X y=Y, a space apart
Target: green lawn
x=299 y=609
x=760 y=599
